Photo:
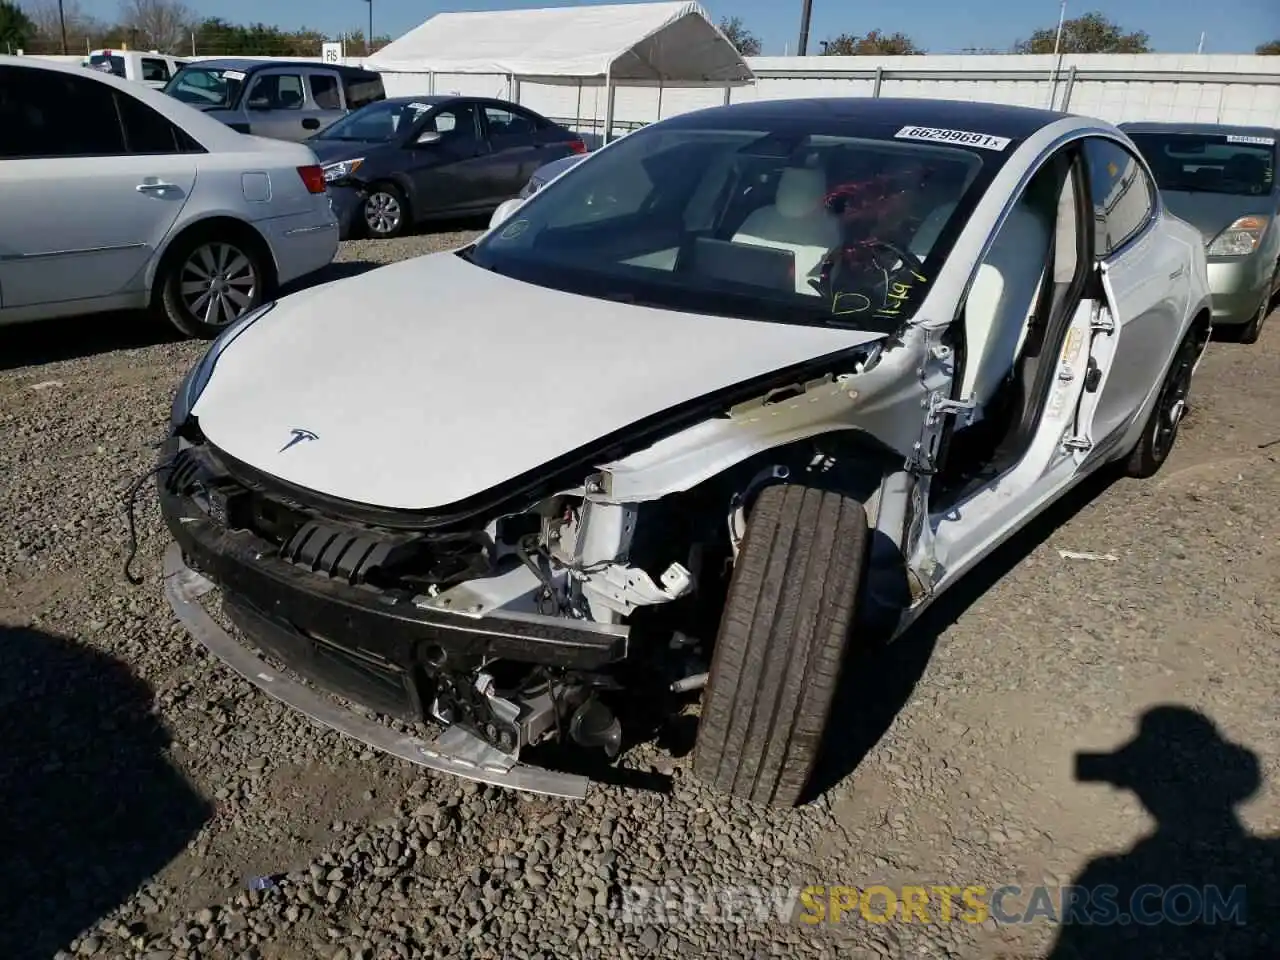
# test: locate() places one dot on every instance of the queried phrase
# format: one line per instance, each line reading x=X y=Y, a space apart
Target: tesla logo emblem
x=296 y=436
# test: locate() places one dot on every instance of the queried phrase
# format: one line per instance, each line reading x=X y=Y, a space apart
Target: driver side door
x=449 y=174
x=1025 y=331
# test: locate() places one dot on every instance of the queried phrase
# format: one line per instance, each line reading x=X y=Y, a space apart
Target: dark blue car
x=406 y=160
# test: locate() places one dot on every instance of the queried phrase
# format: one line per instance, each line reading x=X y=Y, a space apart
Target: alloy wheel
x=382 y=213
x=1172 y=405
x=218 y=283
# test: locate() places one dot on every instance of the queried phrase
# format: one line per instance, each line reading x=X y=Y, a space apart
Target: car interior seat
x=798 y=220
x=288 y=99
x=1001 y=300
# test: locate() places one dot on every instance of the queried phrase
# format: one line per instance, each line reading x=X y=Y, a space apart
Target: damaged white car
x=745 y=391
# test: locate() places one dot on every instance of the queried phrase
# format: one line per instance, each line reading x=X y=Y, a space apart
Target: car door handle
x=311 y=123
x=1176 y=274
x=155 y=186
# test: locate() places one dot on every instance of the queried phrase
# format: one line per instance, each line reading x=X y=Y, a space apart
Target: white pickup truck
x=153 y=69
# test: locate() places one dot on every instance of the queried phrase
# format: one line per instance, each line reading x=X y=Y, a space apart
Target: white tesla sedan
x=114 y=196
x=747 y=390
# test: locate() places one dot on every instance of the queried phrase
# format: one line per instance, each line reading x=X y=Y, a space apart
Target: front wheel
x=1250 y=331
x=384 y=211
x=211 y=281
x=787 y=620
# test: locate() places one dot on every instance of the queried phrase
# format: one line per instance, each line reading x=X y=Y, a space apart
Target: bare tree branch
x=163 y=25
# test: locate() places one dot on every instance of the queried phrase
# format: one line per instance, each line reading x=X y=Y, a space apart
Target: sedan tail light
x=577 y=146
x=313 y=178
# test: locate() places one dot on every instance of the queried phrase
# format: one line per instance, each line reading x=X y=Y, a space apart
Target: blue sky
x=943 y=26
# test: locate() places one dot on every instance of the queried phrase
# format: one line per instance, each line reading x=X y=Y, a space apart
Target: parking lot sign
x=331 y=52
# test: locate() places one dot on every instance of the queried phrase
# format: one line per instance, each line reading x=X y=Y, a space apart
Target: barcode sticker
x=1261 y=141
x=963 y=137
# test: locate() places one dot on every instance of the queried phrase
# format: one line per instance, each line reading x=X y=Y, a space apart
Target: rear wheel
x=1171 y=405
x=210 y=281
x=384 y=211
x=791 y=605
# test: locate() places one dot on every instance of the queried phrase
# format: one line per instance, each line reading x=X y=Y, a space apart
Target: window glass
x=277 y=91
x=364 y=91
x=35 y=109
x=155 y=70
x=324 y=91
x=145 y=130
x=205 y=87
x=1122 y=196
x=108 y=64
x=508 y=124
x=1234 y=164
x=456 y=124
x=791 y=225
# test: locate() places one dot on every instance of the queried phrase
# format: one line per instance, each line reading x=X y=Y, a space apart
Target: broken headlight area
x=562 y=622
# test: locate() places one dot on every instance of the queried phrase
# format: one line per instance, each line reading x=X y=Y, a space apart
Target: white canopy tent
x=622 y=43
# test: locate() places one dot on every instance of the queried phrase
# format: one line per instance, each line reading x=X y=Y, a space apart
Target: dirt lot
x=144 y=786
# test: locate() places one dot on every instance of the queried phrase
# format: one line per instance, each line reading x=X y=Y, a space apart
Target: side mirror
x=429 y=136
x=505 y=210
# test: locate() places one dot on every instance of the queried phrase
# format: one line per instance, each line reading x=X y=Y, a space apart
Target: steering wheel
x=906 y=256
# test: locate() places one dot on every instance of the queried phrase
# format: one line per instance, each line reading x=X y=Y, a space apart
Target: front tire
x=1250 y=331
x=791 y=606
x=1161 y=430
x=384 y=212
x=210 y=281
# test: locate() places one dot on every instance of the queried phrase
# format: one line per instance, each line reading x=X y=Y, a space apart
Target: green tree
x=1090 y=33
x=1269 y=49
x=871 y=44
x=736 y=32
x=16 y=28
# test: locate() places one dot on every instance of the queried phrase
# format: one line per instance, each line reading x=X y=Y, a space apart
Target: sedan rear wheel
x=384 y=211
x=211 y=282
x=1171 y=405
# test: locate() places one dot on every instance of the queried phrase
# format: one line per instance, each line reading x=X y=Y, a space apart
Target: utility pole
x=1200 y=45
x=806 y=14
x=62 y=24
x=368 y=40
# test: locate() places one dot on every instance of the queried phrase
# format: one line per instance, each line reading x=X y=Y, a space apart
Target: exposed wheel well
x=1202 y=323
x=228 y=227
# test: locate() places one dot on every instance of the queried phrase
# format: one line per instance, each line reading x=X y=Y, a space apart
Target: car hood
x=1211 y=213
x=432 y=380
x=332 y=151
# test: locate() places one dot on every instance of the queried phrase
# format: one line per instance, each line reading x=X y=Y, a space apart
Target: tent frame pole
x=608 y=103
x=577 y=120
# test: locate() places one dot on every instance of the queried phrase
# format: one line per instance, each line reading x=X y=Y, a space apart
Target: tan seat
x=1001 y=301
x=797 y=220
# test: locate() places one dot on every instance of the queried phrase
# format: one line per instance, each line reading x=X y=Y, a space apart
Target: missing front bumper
x=454 y=752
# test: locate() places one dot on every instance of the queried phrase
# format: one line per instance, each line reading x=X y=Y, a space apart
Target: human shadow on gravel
x=1198 y=887
x=92 y=808
x=70 y=338
x=878 y=680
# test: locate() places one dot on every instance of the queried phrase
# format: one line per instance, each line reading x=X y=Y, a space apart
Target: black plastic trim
x=251 y=574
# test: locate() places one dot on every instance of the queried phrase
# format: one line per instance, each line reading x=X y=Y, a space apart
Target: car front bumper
x=1237 y=285
x=377 y=648
x=454 y=752
x=347 y=200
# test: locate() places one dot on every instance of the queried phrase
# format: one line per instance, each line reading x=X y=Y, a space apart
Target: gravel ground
x=146 y=786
